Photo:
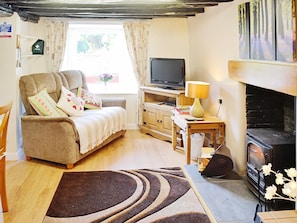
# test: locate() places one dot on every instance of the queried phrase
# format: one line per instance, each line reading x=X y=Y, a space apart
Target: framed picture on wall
x=244 y=30
x=286 y=30
x=262 y=30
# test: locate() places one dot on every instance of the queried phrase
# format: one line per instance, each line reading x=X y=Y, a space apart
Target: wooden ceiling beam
x=108 y=8
x=121 y=14
x=114 y=10
x=101 y=2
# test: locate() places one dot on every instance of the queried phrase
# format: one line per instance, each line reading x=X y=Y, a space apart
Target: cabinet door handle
x=144 y=110
x=160 y=121
x=144 y=123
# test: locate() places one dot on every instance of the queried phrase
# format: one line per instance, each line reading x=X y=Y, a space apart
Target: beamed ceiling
x=117 y=9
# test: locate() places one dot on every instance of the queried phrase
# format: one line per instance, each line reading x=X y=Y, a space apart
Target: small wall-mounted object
x=18 y=57
x=38 y=47
x=18 y=52
x=24 y=47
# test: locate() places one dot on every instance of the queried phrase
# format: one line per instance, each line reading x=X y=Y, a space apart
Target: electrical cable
x=218 y=110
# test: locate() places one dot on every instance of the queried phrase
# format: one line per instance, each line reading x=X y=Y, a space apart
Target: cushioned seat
x=56 y=138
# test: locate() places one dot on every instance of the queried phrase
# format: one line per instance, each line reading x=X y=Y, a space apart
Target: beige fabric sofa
x=56 y=139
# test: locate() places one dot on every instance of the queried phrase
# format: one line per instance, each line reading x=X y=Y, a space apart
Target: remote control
x=194 y=119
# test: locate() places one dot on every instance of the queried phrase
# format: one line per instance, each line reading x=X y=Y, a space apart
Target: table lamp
x=197 y=90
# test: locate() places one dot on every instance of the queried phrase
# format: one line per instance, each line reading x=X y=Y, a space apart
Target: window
x=97 y=49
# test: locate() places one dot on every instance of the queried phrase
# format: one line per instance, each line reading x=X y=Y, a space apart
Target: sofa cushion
x=92 y=101
x=45 y=105
x=71 y=103
x=73 y=79
x=32 y=84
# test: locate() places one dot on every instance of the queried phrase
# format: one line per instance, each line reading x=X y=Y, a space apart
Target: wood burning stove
x=268 y=145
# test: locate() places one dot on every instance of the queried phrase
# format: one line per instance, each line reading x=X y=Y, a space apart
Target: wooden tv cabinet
x=157 y=105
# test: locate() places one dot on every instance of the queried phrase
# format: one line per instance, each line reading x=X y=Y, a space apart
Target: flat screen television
x=168 y=72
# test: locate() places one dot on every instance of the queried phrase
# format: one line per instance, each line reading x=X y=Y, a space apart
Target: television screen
x=168 y=72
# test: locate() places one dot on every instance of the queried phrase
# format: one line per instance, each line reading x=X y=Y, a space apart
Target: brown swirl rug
x=146 y=195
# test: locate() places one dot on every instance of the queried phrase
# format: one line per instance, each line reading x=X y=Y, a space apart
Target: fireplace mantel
x=273 y=75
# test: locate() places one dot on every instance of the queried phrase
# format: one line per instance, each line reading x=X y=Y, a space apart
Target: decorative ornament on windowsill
x=105 y=77
x=289 y=183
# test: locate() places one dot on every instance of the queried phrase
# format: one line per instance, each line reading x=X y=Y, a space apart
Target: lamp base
x=196 y=110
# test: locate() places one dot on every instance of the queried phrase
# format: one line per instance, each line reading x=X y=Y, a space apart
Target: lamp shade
x=197 y=89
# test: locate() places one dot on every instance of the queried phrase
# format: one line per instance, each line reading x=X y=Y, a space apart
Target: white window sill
x=109 y=89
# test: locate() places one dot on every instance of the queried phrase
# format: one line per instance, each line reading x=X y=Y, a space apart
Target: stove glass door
x=255 y=155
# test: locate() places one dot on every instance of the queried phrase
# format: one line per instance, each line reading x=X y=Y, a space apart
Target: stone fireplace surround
x=271 y=90
x=270 y=75
x=273 y=75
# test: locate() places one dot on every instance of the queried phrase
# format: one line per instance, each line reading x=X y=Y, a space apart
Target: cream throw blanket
x=97 y=125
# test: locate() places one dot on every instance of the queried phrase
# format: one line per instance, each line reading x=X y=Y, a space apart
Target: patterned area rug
x=145 y=195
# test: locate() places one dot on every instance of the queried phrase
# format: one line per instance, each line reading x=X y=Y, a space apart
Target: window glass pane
x=98 y=49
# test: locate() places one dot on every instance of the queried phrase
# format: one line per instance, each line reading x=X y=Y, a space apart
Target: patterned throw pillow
x=92 y=101
x=44 y=105
x=70 y=103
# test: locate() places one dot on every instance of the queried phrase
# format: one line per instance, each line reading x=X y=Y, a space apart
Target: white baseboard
x=12 y=156
x=132 y=126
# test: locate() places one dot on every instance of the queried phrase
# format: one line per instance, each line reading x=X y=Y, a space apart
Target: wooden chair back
x=4 y=118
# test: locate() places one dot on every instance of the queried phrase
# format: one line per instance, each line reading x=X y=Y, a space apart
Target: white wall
x=213 y=38
x=169 y=39
x=8 y=80
x=9 y=77
x=31 y=32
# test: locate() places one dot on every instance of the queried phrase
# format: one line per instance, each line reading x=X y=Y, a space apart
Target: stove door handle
x=267 y=158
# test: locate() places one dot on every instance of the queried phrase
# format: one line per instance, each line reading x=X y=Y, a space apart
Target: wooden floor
x=31 y=184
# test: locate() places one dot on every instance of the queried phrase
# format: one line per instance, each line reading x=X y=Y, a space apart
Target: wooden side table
x=210 y=124
x=289 y=216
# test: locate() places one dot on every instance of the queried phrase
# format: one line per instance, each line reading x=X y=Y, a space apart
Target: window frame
x=128 y=86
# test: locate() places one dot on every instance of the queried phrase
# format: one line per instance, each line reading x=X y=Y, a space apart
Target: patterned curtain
x=55 y=43
x=137 y=33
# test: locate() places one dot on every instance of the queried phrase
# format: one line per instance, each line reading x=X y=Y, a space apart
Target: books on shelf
x=183 y=109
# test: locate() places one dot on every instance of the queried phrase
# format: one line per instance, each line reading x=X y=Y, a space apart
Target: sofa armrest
x=43 y=138
x=108 y=102
x=47 y=119
x=42 y=123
